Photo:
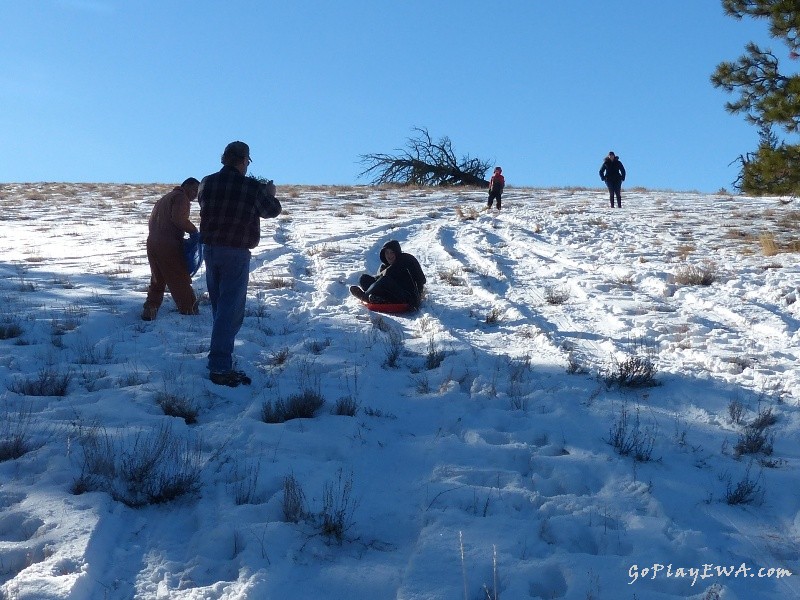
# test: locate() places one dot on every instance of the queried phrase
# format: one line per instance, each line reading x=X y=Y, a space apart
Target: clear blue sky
x=152 y=90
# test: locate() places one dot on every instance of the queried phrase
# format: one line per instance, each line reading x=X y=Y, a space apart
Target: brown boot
x=358 y=293
x=149 y=313
x=195 y=310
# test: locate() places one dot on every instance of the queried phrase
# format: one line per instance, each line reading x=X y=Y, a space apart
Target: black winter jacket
x=612 y=171
x=405 y=271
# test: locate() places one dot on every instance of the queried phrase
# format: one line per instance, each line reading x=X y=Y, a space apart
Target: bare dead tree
x=425 y=162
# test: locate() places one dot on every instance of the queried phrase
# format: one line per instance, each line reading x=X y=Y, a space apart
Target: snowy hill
x=591 y=403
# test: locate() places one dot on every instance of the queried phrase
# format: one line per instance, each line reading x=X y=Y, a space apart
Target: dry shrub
x=467 y=214
x=637 y=370
x=754 y=441
x=755 y=437
x=297 y=406
x=736 y=411
x=634 y=371
x=493 y=316
x=294 y=500
x=684 y=250
x=393 y=344
x=16 y=438
x=631 y=438
x=178 y=405
x=625 y=280
x=555 y=295
x=149 y=468
x=338 y=505
x=765 y=418
x=704 y=274
x=454 y=277
x=793 y=246
x=346 y=406
x=769 y=247
x=47 y=382
x=734 y=233
x=274 y=283
x=9 y=329
x=435 y=356
x=746 y=491
x=790 y=220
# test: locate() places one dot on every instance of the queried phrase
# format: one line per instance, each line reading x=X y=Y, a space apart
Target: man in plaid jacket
x=231 y=208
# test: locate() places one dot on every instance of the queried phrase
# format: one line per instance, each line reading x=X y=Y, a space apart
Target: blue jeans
x=227 y=274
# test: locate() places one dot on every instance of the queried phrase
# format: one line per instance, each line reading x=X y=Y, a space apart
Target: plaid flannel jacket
x=231 y=205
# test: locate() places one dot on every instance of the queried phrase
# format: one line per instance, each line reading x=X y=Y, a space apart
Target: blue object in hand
x=193 y=252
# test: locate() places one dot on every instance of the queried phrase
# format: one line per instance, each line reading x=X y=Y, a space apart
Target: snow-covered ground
x=478 y=463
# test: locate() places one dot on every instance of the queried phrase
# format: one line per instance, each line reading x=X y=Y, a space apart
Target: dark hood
x=391 y=245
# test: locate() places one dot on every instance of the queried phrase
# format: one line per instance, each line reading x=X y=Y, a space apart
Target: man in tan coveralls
x=168 y=222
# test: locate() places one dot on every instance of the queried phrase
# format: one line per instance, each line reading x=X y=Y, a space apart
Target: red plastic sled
x=388 y=308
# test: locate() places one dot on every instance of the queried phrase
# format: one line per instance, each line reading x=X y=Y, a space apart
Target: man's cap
x=236 y=150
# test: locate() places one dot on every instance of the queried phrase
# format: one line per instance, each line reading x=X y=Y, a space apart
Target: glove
x=195 y=235
x=602 y=178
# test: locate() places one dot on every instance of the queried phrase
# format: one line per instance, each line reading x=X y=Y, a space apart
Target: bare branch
x=425 y=162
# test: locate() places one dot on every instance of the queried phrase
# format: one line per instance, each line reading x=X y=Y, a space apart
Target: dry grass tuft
x=467 y=214
x=769 y=247
x=704 y=274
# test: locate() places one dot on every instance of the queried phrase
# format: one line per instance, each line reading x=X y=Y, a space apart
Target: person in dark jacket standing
x=169 y=220
x=613 y=173
x=496 y=185
x=399 y=279
x=231 y=206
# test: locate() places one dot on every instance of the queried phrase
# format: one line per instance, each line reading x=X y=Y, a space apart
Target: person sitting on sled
x=399 y=279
